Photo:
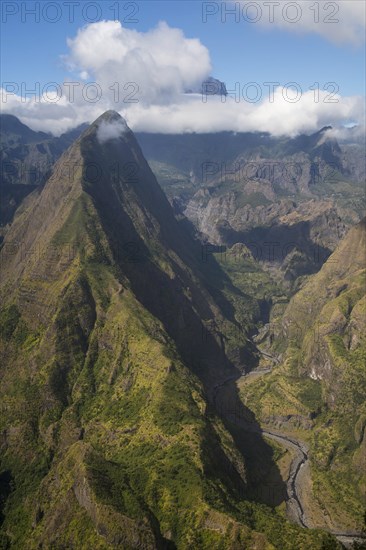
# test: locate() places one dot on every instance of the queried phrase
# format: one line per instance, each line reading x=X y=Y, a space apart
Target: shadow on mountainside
x=162 y=265
x=265 y=483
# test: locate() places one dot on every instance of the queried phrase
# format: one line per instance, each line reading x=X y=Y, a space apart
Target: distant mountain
x=211 y=86
x=26 y=160
x=193 y=153
x=301 y=194
x=289 y=200
x=300 y=168
x=12 y=132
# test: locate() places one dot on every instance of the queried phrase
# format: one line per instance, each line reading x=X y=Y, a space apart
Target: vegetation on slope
x=108 y=439
x=321 y=383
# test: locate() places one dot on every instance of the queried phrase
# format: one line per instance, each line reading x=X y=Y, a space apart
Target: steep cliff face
x=319 y=387
x=104 y=432
x=108 y=439
x=292 y=237
x=330 y=307
x=298 y=195
x=326 y=323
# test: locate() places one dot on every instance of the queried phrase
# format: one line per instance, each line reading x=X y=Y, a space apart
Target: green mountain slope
x=321 y=383
x=108 y=439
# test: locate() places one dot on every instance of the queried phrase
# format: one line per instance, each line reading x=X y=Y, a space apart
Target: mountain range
x=300 y=194
x=118 y=325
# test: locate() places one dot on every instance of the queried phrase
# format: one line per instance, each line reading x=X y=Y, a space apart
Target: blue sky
x=239 y=51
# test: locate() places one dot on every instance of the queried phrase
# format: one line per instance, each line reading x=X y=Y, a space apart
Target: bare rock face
x=211 y=86
x=289 y=422
x=295 y=237
x=299 y=194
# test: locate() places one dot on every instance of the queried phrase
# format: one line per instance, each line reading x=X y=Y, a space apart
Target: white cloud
x=279 y=118
x=161 y=62
x=55 y=117
x=340 y=21
x=188 y=113
x=111 y=130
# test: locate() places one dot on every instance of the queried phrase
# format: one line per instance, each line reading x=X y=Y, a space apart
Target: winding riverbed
x=295 y=506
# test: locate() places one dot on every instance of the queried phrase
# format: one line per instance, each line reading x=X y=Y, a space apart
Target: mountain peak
x=109 y=116
x=109 y=126
x=325 y=129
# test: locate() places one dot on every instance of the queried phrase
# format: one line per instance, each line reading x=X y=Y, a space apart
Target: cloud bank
x=143 y=76
x=279 y=117
x=189 y=113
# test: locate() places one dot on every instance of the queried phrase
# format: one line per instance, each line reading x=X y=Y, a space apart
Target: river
x=295 y=507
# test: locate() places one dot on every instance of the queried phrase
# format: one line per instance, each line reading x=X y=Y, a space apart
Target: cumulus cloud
x=160 y=63
x=111 y=130
x=143 y=77
x=340 y=21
